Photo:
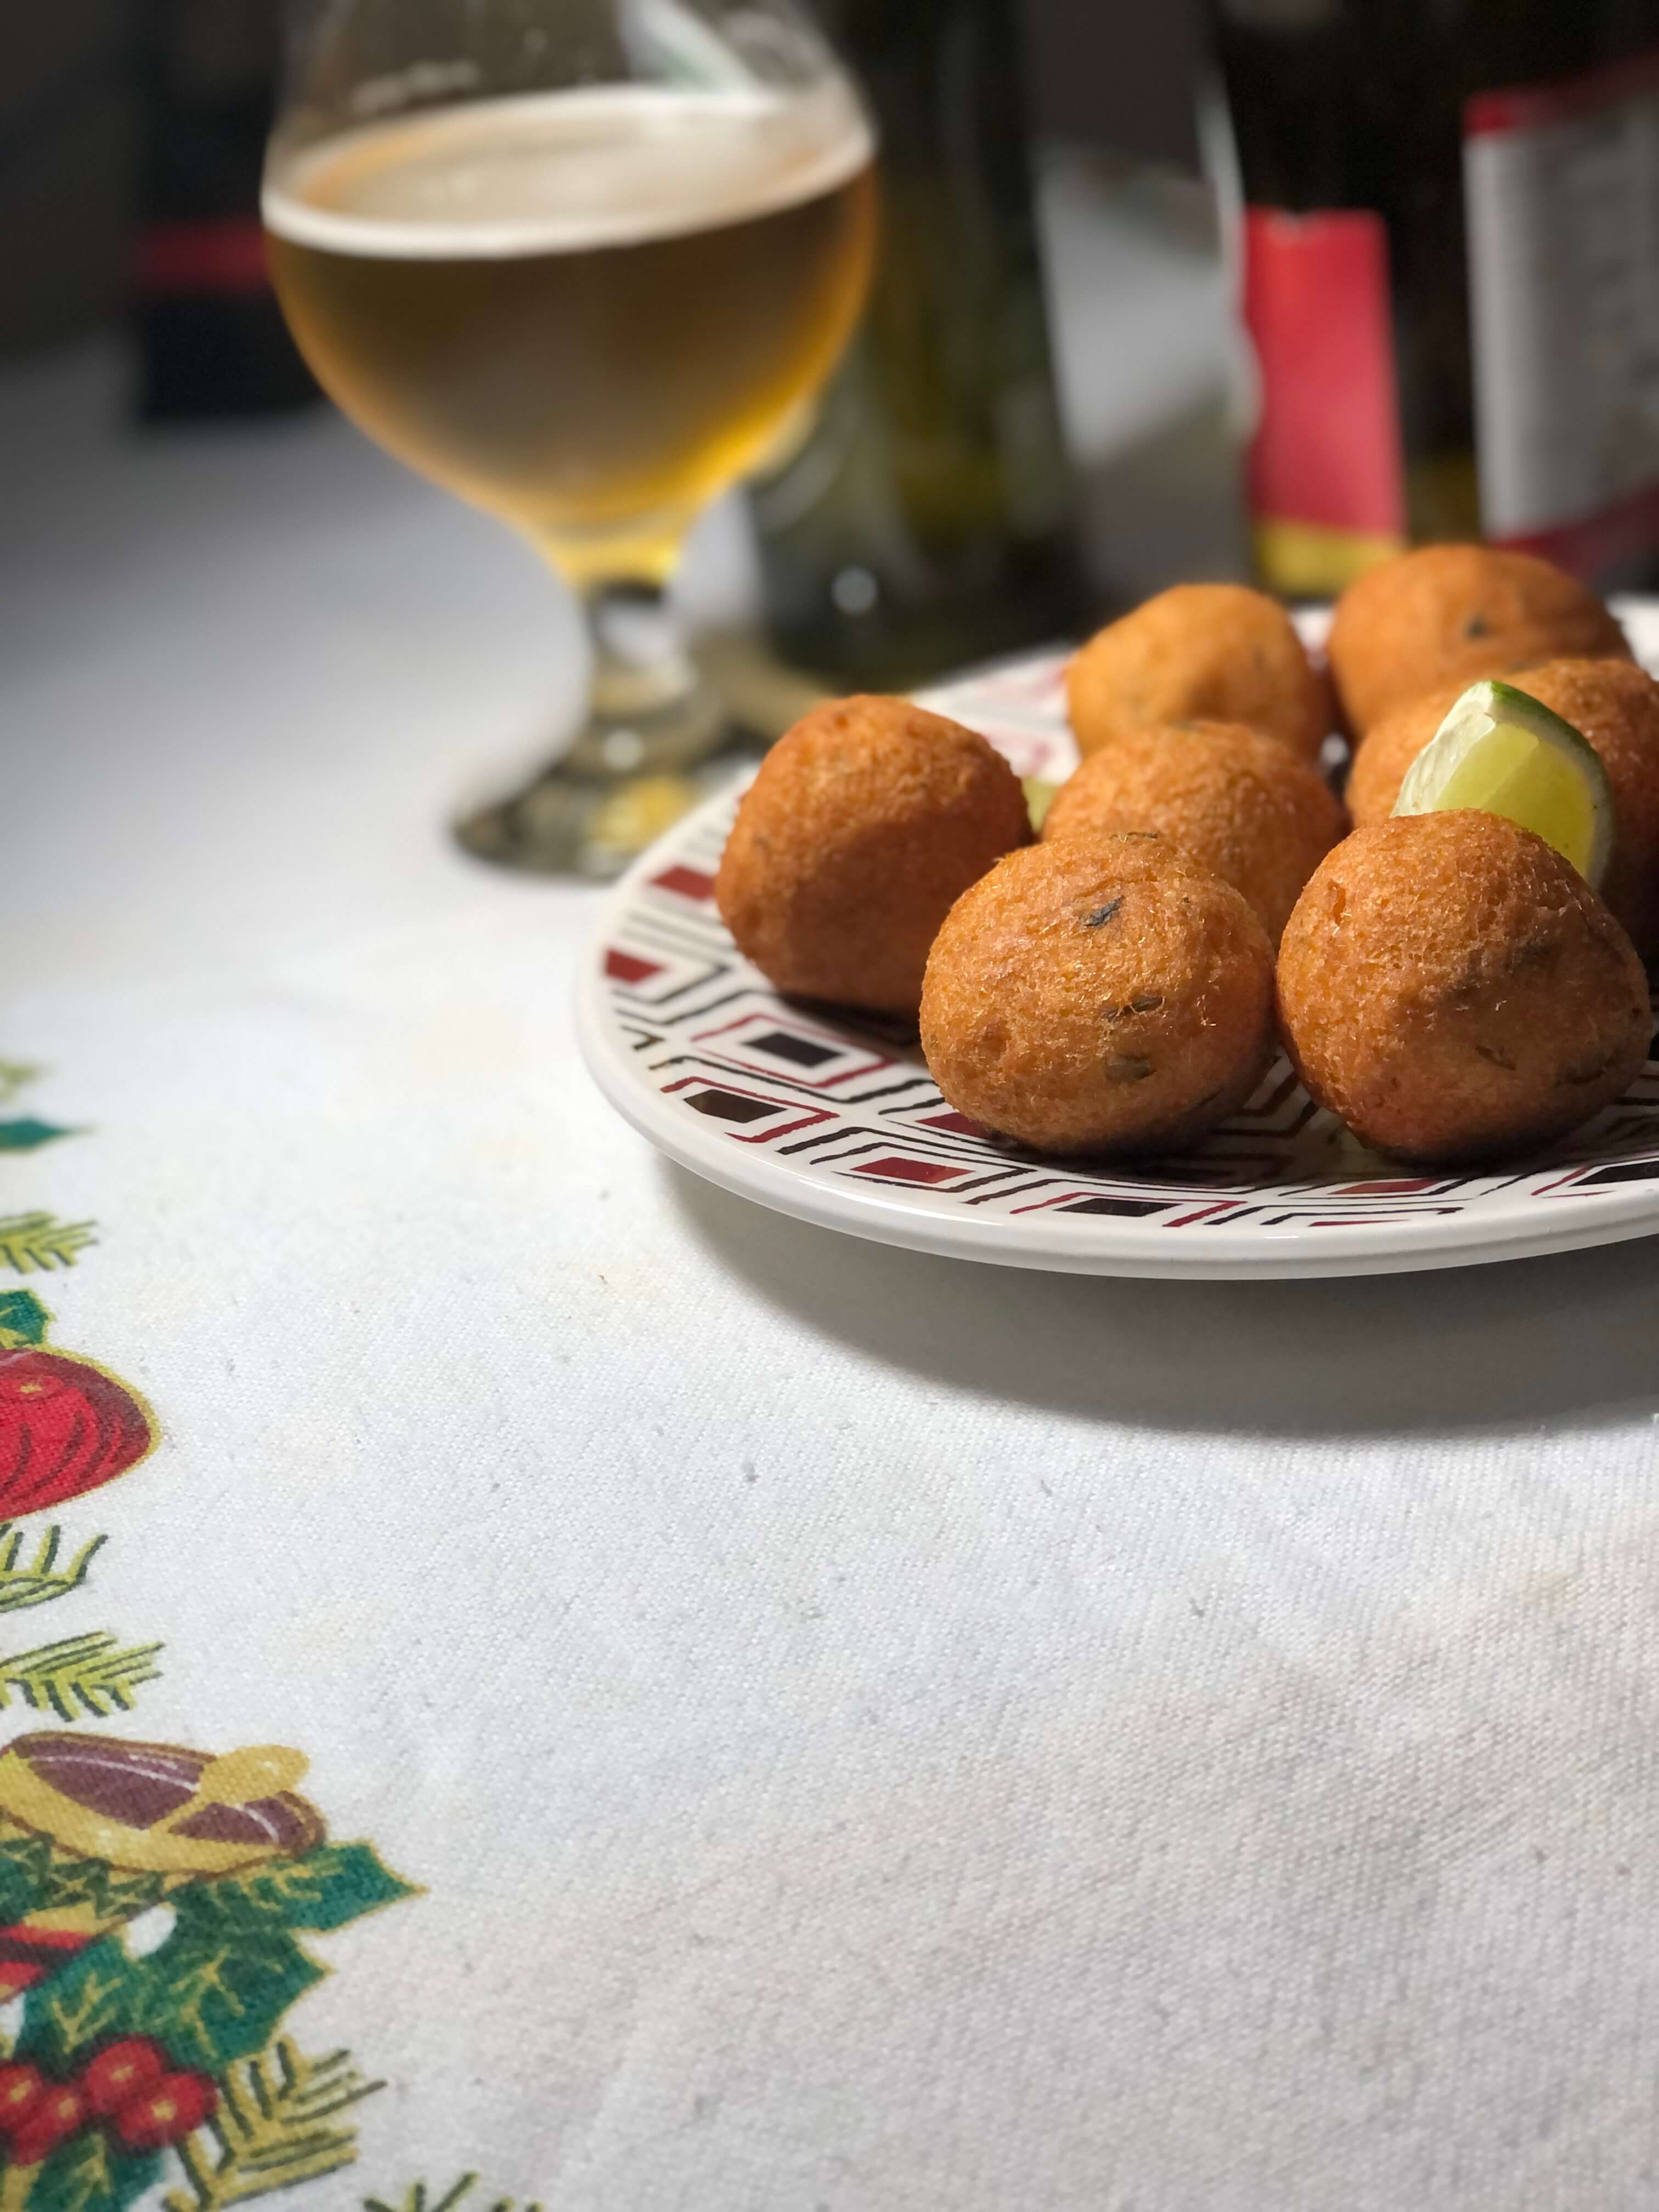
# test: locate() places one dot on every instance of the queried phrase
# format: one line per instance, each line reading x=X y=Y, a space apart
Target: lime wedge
x=1503 y=753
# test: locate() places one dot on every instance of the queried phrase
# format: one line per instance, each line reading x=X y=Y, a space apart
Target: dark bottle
x=1449 y=277
x=926 y=521
x=212 y=341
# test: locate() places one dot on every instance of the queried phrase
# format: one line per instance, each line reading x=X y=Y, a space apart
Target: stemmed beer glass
x=581 y=262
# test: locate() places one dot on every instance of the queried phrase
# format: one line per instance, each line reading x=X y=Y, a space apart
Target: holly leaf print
x=23 y=1872
x=329 y=1886
x=35 y=1878
x=26 y=1135
x=87 y=2175
x=22 y=1320
x=206 y=2000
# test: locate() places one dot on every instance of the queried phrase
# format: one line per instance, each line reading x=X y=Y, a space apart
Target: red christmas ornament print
x=65 y=1426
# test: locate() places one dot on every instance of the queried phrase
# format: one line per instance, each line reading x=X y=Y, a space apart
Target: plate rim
x=1395 y=1245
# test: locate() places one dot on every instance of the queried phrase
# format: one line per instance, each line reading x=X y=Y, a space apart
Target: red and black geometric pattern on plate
x=850 y=1100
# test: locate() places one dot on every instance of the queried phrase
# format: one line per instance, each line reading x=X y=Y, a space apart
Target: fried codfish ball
x=1199 y=653
x=1102 y=994
x=1612 y=704
x=1241 y=804
x=1455 y=990
x=866 y=822
x=1446 y=615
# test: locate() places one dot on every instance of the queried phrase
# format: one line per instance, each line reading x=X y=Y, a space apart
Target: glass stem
x=650 y=710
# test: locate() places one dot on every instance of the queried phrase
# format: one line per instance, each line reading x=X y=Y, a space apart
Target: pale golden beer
x=587 y=311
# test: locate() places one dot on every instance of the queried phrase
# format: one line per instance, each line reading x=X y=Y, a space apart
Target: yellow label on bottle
x=1303 y=561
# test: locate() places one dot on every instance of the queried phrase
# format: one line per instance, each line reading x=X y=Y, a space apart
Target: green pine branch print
x=419 y=2198
x=273 y=2129
x=35 y=1244
x=42 y=1579
x=15 y=1075
x=81 y=1674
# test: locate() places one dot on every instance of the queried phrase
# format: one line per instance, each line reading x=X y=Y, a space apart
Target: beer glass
x=582 y=262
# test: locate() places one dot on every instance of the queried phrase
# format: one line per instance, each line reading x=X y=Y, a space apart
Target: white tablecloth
x=871 y=1735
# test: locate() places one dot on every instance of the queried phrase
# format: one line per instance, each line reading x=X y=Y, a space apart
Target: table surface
x=869 y=1731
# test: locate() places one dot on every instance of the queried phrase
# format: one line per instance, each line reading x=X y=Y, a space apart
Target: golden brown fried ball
x=1210 y=653
x=1241 y=805
x=1612 y=704
x=866 y=822
x=1446 y=615
x=1454 y=989
x=1098 y=995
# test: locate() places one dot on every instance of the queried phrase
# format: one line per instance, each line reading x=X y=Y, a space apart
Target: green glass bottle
x=926 y=520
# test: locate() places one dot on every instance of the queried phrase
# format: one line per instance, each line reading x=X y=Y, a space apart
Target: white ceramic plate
x=837 y=1122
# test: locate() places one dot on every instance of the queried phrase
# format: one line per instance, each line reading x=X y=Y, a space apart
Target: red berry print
x=65 y=1427
x=120 y=2073
x=173 y=2109
x=60 y=2112
x=22 y=2088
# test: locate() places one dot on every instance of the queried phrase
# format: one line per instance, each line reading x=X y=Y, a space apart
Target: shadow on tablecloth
x=1499 y=1348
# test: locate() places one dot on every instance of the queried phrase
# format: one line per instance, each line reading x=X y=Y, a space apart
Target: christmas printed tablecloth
x=156 y=1898
x=525 y=1680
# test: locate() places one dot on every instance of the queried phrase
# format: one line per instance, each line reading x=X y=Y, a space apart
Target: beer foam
x=565 y=172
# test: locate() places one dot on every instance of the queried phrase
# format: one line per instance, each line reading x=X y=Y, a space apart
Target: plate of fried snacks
x=1227 y=945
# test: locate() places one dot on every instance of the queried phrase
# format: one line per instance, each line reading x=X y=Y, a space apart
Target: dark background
x=1109 y=73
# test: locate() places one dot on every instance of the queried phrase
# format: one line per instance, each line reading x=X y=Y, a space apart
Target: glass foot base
x=577 y=822
x=628 y=778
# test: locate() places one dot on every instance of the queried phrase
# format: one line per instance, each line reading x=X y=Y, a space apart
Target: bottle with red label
x=1448 y=247
x=212 y=338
